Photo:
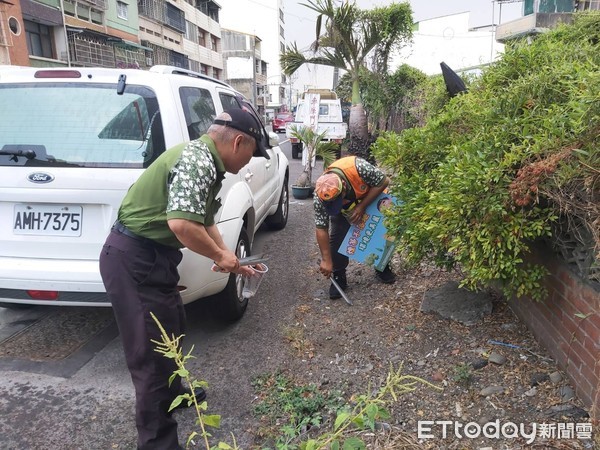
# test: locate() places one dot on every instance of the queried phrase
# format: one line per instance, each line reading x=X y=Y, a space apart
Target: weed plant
x=294 y=411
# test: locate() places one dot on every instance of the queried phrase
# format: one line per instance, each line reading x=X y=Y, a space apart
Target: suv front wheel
x=278 y=221
x=229 y=305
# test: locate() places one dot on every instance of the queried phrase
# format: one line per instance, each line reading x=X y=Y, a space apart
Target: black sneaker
x=387 y=276
x=340 y=278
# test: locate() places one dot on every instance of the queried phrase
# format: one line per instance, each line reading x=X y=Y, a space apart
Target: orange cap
x=328 y=186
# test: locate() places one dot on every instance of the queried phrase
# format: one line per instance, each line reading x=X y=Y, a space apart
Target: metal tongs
x=253 y=260
x=247 y=261
x=337 y=286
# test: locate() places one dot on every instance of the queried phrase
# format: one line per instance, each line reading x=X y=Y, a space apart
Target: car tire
x=229 y=305
x=296 y=151
x=278 y=221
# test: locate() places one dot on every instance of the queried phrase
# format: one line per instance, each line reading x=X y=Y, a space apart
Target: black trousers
x=139 y=279
x=338 y=227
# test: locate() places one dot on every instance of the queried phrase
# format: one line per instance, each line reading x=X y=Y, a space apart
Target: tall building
x=45 y=33
x=265 y=20
x=112 y=33
x=13 y=47
x=539 y=16
x=185 y=34
x=245 y=69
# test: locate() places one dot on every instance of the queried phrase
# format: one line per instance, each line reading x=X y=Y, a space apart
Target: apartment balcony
x=529 y=25
x=164 y=13
x=542 y=15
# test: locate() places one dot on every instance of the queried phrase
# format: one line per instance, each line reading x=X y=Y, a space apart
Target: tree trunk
x=359 y=135
x=357 y=124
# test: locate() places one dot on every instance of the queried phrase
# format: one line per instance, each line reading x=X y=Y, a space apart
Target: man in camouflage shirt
x=172 y=205
x=342 y=195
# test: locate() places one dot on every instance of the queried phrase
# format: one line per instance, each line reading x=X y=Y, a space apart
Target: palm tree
x=315 y=146
x=350 y=36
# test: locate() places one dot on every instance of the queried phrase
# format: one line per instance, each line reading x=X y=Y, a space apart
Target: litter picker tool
x=254 y=259
x=247 y=261
x=337 y=286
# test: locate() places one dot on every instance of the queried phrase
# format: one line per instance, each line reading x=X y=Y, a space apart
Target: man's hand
x=326 y=267
x=227 y=261
x=357 y=213
x=326 y=264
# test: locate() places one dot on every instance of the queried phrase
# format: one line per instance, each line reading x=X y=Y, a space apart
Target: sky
x=300 y=24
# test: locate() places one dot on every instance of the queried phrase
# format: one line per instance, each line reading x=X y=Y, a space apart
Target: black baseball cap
x=245 y=122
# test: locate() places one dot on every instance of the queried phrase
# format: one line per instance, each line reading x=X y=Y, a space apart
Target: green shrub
x=490 y=173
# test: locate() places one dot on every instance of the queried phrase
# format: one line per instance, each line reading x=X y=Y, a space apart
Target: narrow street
x=63 y=380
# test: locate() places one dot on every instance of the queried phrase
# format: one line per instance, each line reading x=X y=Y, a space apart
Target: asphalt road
x=57 y=393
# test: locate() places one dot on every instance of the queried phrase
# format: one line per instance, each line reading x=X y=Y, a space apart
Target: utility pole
x=62 y=10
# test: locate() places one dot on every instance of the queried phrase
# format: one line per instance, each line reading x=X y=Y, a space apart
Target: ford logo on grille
x=40 y=177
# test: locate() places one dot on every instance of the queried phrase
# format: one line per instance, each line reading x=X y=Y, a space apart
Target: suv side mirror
x=273 y=139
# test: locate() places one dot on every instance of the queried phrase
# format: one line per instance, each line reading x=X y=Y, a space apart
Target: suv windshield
x=82 y=125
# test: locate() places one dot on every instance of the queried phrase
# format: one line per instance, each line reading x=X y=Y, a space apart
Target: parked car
x=73 y=140
x=280 y=122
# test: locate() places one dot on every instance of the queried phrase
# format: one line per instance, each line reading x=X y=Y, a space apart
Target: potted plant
x=314 y=146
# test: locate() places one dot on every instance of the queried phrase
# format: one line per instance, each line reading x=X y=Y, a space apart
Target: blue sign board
x=367 y=241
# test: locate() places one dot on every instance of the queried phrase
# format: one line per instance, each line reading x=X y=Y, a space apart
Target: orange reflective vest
x=347 y=168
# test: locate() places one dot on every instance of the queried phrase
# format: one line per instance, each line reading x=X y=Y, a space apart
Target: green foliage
x=346 y=38
x=423 y=102
x=170 y=347
x=462 y=373
x=284 y=404
x=292 y=411
x=386 y=96
x=490 y=173
x=394 y=27
x=288 y=409
x=315 y=146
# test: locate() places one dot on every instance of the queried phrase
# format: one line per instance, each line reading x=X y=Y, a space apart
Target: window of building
x=39 y=39
x=96 y=17
x=83 y=11
x=588 y=4
x=174 y=17
x=203 y=69
x=191 y=31
x=122 y=10
x=14 y=26
x=201 y=38
x=194 y=65
x=281 y=15
x=69 y=7
x=281 y=32
x=213 y=43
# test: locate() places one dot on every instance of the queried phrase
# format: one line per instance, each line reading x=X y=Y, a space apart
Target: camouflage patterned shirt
x=182 y=183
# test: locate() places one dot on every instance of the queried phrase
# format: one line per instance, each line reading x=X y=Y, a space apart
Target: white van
x=73 y=140
x=328 y=117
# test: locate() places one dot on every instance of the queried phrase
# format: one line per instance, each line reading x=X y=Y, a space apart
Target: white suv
x=73 y=140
